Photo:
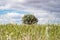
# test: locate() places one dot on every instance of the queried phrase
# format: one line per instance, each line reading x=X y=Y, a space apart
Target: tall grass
x=29 y=32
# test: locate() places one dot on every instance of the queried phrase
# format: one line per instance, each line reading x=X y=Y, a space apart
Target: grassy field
x=29 y=32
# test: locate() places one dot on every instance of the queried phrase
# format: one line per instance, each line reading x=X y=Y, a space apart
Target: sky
x=12 y=11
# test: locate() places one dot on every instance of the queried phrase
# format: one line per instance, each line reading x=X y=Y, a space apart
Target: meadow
x=30 y=32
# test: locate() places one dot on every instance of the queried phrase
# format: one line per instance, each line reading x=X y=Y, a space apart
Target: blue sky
x=12 y=11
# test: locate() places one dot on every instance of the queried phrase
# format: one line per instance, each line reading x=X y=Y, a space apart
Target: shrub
x=29 y=19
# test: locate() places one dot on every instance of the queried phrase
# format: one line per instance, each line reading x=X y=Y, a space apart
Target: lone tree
x=29 y=19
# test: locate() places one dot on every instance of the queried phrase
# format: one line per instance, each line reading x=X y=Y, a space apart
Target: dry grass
x=30 y=32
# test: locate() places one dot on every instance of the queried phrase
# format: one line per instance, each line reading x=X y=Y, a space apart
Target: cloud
x=5 y=7
x=44 y=10
x=42 y=16
x=48 y=5
x=16 y=17
x=11 y=18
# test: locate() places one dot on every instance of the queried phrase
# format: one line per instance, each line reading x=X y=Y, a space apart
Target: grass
x=30 y=32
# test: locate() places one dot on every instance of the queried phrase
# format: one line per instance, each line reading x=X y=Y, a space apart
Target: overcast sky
x=47 y=11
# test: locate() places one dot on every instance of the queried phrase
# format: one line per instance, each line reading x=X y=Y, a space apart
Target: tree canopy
x=29 y=19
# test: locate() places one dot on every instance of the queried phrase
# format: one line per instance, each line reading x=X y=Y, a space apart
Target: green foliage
x=29 y=19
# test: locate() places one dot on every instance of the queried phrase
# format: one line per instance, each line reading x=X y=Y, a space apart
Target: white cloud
x=43 y=20
x=40 y=13
x=42 y=16
x=7 y=6
x=13 y=14
x=21 y=1
x=17 y=18
x=11 y=18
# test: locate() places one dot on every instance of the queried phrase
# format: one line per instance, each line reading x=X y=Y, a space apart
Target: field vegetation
x=30 y=32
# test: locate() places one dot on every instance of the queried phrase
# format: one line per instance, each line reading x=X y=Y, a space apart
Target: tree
x=29 y=19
